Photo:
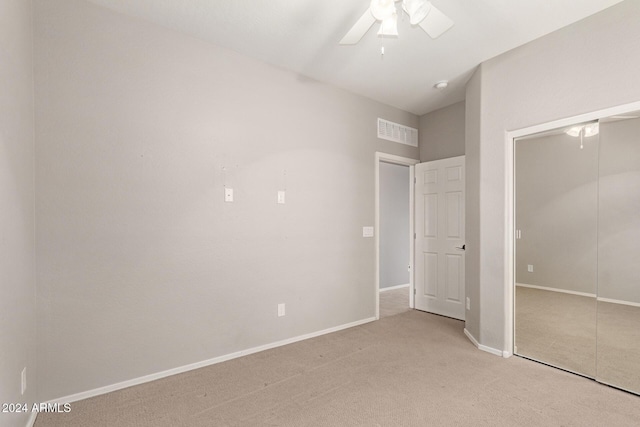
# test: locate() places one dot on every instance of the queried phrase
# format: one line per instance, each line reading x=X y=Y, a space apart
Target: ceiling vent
x=397 y=133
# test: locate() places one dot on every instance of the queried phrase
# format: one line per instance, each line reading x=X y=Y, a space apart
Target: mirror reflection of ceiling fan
x=421 y=12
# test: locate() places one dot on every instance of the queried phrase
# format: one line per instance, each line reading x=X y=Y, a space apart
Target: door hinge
x=415 y=180
x=414 y=236
x=414 y=291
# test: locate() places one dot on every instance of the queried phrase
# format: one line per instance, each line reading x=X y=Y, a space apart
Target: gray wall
x=619 y=218
x=557 y=212
x=442 y=132
x=588 y=66
x=142 y=266
x=394 y=225
x=473 y=120
x=17 y=281
x=578 y=211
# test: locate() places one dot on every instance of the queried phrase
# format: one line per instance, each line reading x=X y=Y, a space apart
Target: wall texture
x=442 y=133
x=557 y=212
x=394 y=225
x=619 y=205
x=585 y=67
x=143 y=267
x=473 y=120
x=577 y=209
x=17 y=281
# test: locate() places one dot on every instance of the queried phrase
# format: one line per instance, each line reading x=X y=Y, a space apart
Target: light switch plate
x=367 y=231
x=281 y=197
x=228 y=194
x=281 y=310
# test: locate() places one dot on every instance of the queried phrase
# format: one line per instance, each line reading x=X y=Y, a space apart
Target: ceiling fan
x=421 y=12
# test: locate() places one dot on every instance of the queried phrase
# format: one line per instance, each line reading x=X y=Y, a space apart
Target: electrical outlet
x=468 y=303
x=281 y=310
x=23 y=380
x=530 y=268
x=228 y=194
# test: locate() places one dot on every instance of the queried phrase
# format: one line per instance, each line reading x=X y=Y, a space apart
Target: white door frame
x=510 y=207
x=404 y=161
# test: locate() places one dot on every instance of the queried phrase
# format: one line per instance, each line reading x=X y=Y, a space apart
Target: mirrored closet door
x=577 y=261
x=618 y=330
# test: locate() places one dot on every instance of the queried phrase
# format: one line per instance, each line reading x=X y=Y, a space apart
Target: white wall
x=442 y=133
x=142 y=266
x=394 y=225
x=588 y=66
x=17 y=281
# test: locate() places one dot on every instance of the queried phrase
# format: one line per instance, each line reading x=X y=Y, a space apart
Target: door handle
x=462 y=248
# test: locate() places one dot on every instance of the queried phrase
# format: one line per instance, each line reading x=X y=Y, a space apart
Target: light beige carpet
x=618 y=345
x=600 y=340
x=410 y=369
x=394 y=302
x=557 y=328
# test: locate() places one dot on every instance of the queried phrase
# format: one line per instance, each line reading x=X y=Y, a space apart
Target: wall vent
x=397 y=133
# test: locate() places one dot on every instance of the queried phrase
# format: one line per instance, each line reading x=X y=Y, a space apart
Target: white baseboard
x=564 y=291
x=583 y=294
x=32 y=419
x=391 y=288
x=491 y=350
x=618 y=301
x=158 y=375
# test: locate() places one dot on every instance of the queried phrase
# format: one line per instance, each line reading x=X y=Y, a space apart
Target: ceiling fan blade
x=359 y=29
x=436 y=23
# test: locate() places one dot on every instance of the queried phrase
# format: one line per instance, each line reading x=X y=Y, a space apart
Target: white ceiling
x=303 y=36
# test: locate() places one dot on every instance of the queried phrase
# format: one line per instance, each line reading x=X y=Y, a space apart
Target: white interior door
x=439 y=239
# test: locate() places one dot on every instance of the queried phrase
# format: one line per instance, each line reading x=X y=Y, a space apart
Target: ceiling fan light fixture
x=587 y=130
x=421 y=12
x=574 y=131
x=389 y=26
x=591 y=129
x=382 y=9
x=417 y=10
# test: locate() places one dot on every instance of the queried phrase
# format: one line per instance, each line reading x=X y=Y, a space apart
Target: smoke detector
x=441 y=84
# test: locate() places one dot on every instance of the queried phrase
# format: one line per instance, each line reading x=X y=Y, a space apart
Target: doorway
x=394 y=231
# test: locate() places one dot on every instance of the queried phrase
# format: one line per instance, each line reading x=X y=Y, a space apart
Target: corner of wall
x=17 y=188
x=473 y=112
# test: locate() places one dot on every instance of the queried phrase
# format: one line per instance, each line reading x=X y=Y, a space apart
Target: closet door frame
x=509 y=220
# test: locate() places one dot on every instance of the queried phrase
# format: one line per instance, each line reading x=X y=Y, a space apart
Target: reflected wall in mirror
x=618 y=361
x=577 y=246
x=556 y=247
